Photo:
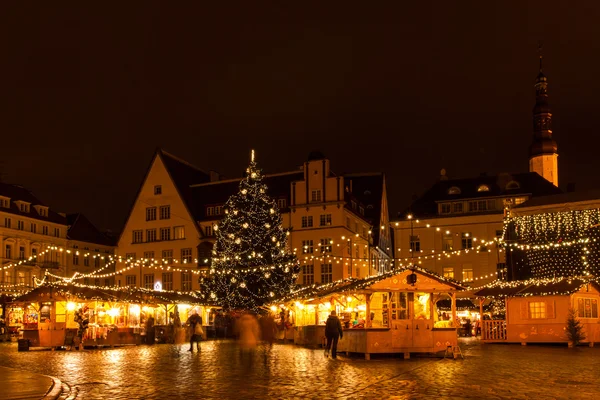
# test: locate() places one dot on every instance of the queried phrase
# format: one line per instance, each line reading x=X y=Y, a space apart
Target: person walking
x=333 y=332
x=196 y=332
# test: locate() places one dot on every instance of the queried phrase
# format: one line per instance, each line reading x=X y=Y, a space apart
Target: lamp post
x=412 y=278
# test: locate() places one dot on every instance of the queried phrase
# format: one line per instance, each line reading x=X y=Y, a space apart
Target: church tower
x=543 y=152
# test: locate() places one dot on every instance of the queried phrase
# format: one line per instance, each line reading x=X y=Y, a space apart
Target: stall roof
x=73 y=292
x=535 y=287
x=353 y=284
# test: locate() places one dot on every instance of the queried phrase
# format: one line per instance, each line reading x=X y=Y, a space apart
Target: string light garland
x=251 y=263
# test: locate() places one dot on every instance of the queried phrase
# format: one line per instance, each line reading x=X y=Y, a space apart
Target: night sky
x=89 y=94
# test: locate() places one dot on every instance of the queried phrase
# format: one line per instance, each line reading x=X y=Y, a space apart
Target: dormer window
x=483 y=188
x=4 y=202
x=513 y=185
x=41 y=210
x=454 y=190
x=23 y=206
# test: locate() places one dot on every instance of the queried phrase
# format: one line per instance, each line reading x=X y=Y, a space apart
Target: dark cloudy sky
x=89 y=93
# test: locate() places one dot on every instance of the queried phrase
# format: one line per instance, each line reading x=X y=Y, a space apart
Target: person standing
x=268 y=329
x=195 y=323
x=333 y=332
x=150 y=330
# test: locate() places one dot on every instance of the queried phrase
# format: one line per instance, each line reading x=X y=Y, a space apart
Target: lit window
x=454 y=190
x=587 y=308
x=179 y=232
x=415 y=243
x=483 y=188
x=537 y=309
x=448 y=244
x=467 y=274
x=449 y=272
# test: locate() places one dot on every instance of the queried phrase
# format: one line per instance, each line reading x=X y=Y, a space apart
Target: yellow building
x=323 y=228
x=33 y=239
x=455 y=225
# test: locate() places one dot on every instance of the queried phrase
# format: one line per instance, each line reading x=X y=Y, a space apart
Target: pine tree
x=574 y=328
x=251 y=263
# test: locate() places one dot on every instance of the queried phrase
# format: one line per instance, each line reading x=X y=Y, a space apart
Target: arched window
x=483 y=188
x=454 y=190
x=367 y=192
x=513 y=185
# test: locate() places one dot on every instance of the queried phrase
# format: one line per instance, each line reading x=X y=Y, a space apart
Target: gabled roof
x=81 y=229
x=529 y=183
x=16 y=192
x=217 y=193
x=535 y=287
x=368 y=190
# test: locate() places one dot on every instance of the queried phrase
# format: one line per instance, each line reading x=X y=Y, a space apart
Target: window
x=179 y=232
x=20 y=225
x=520 y=200
x=210 y=211
x=186 y=255
x=281 y=203
x=308 y=274
x=348 y=223
x=150 y=213
x=130 y=280
x=21 y=278
x=33 y=228
x=457 y=207
x=537 y=309
x=415 y=243
x=97 y=261
x=353 y=204
x=499 y=233
x=587 y=307
x=325 y=220
x=86 y=260
x=138 y=236
x=357 y=252
x=325 y=245
x=44 y=230
x=482 y=205
x=107 y=282
x=165 y=212
x=56 y=232
x=483 y=188
x=218 y=210
x=466 y=240
x=157 y=189
x=167 y=255
x=361 y=210
x=316 y=196
x=150 y=235
x=448 y=242
x=21 y=252
x=512 y=185
x=307 y=247
x=7 y=222
x=149 y=255
x=130 y=257
x=448 y=272
x=5 y=203
x=326 y=273
x=149 y=281
x=76 y=258
x=167 y=281
x=23 y=207
x=472 y=206
x=307 y=221
x=209 y=230
x=34 y=253
x=186 y=281
x=467 y=274
x=454 y=190
x=86 y=281
x=445 y=208
x=399 y=304
x=97 y=282
x=165 y=233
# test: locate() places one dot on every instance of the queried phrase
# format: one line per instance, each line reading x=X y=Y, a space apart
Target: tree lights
x=251 y=263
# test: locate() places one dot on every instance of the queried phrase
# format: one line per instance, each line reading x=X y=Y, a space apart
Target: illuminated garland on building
x=250 y=262
x=564 y=243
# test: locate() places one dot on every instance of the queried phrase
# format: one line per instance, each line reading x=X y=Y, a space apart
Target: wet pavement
x=288 y=372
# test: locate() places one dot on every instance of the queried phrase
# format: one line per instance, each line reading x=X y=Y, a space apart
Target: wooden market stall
x=113 y=316
x=536 y=310
x=381 y=314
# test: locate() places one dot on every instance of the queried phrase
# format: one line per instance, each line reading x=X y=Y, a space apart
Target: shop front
x=382 y=314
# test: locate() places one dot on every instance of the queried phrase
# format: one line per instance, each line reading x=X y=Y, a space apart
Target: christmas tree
x=574 y=328
x=251 y=263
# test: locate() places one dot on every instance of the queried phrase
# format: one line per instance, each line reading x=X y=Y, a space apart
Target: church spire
x=543 y=152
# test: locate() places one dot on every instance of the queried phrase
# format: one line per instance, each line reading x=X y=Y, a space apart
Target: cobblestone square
x=288 y=372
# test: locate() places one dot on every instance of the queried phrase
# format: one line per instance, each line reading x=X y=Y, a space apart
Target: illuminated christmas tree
x=251 y=263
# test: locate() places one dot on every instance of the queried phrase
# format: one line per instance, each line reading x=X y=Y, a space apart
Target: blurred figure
x=268 y=328
x=333 y=332
x=249 y=331
x=150 y=331
x=196 y=331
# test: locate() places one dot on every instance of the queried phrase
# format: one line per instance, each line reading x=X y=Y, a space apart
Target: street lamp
x=412 y=278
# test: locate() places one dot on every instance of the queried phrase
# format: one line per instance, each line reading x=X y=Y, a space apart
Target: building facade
x=335 y=232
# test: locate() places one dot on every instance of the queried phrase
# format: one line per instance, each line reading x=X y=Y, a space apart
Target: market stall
x=381 y=314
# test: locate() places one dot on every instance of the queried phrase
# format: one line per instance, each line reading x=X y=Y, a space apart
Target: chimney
x=214 y=176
